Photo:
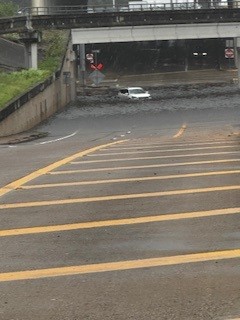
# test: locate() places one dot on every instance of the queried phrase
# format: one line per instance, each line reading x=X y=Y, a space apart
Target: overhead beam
x=156 y=32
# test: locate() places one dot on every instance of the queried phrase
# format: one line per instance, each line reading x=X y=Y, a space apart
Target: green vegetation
x=8 y=8
x=53 y=48
x=55 y=43
x=13 y=84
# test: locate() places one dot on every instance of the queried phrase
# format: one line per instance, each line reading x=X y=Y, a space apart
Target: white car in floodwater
x=134 y=93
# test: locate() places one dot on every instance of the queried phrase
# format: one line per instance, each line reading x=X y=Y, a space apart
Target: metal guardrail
x=155 y=6
x=19 y=102
x=68 y=17
x=15 y=105
x=27 y=96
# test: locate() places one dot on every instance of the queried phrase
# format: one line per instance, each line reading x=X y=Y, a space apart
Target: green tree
x=8 y=8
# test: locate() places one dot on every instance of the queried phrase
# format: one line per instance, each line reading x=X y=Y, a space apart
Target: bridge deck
x=113 y=19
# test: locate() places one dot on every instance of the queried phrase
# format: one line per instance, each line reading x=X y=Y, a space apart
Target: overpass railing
x=131 y=6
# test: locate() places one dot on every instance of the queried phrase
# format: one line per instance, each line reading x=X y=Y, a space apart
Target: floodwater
x=170 y=108
x=177 y=98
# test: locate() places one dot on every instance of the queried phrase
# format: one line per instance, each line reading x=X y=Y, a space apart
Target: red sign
x=98 y=67
x=229 y=53
x=92 y=66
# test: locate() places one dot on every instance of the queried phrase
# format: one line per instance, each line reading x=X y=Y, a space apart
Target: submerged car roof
x=132 y=88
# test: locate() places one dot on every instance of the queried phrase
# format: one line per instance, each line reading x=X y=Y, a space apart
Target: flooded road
x=133 y=215
x=169 y=107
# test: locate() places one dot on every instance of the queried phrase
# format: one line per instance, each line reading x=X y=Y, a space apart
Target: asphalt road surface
x=125 y=211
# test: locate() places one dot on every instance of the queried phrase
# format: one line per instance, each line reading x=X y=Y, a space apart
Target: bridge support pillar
x=31 y=39
x=32 y=56
x=82 y=54
x=81 y=64
x=238 y=58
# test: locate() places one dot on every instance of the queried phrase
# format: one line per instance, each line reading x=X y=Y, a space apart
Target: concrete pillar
x=235 y=53
x=31 y=39
x=238 y=59
x=32 y=55
x=82 y=66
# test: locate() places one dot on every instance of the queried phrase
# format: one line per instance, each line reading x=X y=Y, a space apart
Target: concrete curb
x=21 y=138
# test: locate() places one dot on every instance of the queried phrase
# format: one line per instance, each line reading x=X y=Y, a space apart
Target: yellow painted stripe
x=156 y=157
x=121 y=265
x=170 y=150
x=173 y=176
x=119 y=222
x=16 y=184
x=116 y=197
x=163 y=165
x=180 y=132
x=162 y=144
x=163 y=157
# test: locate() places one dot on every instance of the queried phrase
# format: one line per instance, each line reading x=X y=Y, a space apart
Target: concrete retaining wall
x=12 y=54
x=54 y=98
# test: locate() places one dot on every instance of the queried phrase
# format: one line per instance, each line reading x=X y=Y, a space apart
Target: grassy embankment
x=15 y=83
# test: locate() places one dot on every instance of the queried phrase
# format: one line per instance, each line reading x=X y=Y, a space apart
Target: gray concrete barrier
x=12 y=54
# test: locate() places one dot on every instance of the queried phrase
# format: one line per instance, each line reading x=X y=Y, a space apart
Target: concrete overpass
x=126 y=26
x=74 y=17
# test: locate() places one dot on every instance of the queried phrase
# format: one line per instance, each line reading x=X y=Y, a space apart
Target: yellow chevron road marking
x=18 y=183
x=180 y=132
x=121 y=265
x=119 y=222
x=154 y=178
x=224 y=144
x=117 y=197
x=162 y=157
x=155 y=157
x=162 y=165
x=173 y=144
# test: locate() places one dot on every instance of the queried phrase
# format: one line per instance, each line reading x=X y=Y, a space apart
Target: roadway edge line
x=19 y=182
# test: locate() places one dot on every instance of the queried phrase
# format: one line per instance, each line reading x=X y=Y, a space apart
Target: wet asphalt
x=180 y=155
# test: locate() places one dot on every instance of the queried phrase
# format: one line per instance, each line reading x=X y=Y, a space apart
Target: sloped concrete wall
x=12 y=54
x=54 y=98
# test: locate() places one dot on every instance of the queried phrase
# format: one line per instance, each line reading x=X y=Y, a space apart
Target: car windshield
x=136 y=91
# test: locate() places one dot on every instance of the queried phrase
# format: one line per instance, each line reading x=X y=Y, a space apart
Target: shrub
x=56 y=42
